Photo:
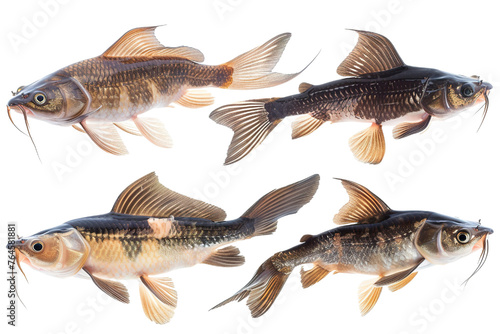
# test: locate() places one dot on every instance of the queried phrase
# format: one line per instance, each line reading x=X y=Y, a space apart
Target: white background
x=450 y=168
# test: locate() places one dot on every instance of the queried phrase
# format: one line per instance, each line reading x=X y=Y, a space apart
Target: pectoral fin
x=158 y=298
x=77 y=128
x=369 y=145
x=396 y=277
x=195 y=98
x=401 y=284
x=113 y=289
x=105 y=136
x=226 y=257
x=406 y=129
x=368 y=296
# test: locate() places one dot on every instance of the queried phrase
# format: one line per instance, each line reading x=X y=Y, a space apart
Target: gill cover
x=428 y=243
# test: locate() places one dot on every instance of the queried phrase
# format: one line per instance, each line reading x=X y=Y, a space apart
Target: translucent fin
x=373 y=53
x=250 y=122
x=105 y=136
x=369 y=145
x=162 y=288
x=154 y=131
x=128 y=127
x=396 y=277
x=363 y=206
x=312 y=276
x=279 y=203
x=304 y=125
x=77 y=128
x=195 y=98
x=226 y=257
x=401 y=284
x=304 y=87
x=142 y=42
x=406 y=129
x=148 y=197
x=368 y=296
x=114 y=289
x=253 y=69
x=154 y=309
x=262 y=289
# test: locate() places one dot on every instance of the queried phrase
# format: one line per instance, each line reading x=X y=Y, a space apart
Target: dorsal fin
x=363 y=206
x=373 y=53
x=304 y=86
x=148 y=197
x=142 y=42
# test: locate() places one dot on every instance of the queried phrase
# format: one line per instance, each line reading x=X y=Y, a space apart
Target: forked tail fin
x=262 y=289
x=251 y=125
x=279 y=203
x=253 y=69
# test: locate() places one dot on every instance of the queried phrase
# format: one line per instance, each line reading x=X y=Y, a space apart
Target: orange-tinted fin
x=312 y=276
x=253 y=69
x=304 y=125
x=105 y=136
x=250 y=122
x=148 y=197
x=195 y=98
x=77 y=128
x=279 y=203
x=363 y=206
x=226 y=257
x=262 y=289
x=154 y=131
x=128 y=127
x=406 y=129
x=142 y=42
x=396 y=277
x=158 y=299
x=304 y=87
x=368 y=296
x=401 y=284
x=113 y=289
x=369 y=145
x=373 y=53
x=305 y=237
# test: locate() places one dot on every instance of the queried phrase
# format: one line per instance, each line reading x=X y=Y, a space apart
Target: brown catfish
x=388 y=244
x=152 y=230
x=136 y=74
x=381 y=90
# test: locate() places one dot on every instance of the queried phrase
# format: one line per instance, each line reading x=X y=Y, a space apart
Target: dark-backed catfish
x=136 y=74
x=381 y=90
x=152 y=230
x=373 y=240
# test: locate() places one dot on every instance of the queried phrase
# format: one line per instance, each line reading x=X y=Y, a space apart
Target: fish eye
x=37 y=246
x=463 y=237
x=467 y=90
x=39 y=98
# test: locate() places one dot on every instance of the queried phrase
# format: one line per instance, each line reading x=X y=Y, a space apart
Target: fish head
x=441 y=239
x=446 y=95
x=55 y=98
x=59 y=252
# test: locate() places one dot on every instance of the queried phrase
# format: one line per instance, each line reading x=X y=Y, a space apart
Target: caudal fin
x=262 y=289
x=251 y=125
x=253 y=69
x=279 y=203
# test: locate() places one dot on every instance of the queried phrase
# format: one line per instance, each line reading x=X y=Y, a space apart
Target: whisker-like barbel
x=486 y=105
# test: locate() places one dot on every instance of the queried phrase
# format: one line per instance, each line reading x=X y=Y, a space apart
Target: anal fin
x=226 y=257
x=195 y=98
x=305 y=125
x=154 y=131
x=158 y=298
x=115 y=290
x=105 y=136
x=312 y=276
x=368 y=296
x=369 y=145
x=406 y=129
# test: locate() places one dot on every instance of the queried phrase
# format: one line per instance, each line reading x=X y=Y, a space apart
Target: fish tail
x=253 y=69
x=264 y=214
x=263 y=288
x=250 y=122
